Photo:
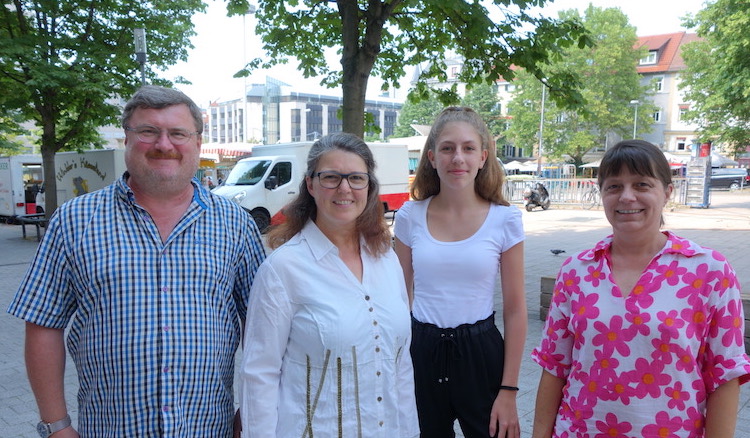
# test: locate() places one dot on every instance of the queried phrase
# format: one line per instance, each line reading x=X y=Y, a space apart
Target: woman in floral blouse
x=644 y=337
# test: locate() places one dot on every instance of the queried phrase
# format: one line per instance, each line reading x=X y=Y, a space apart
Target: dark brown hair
x=637 y=156
x=488 y=183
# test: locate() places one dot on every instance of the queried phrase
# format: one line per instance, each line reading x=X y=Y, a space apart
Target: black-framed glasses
x=149 y=134
x=332 y=180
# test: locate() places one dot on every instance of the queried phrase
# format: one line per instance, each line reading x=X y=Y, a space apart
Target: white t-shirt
x=454 y=282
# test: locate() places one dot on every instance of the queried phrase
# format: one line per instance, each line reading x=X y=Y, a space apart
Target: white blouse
x=326 y=355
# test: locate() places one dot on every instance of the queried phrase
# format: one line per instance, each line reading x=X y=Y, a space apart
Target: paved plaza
x=724 y=226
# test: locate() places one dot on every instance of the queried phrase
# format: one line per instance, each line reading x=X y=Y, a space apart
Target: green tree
x=67 y=61
x=416 y=112
x=482 y=98
x=382 y=37
x=717 y=78
x=610 y=83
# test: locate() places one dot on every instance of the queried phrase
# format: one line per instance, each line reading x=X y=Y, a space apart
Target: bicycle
x=591 y=197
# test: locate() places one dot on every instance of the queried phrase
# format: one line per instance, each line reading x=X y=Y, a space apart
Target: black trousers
x=457 y=376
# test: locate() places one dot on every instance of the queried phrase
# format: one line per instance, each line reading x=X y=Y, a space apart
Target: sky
x=219 y=52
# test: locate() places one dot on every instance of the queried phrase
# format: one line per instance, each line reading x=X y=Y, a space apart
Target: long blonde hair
x=488 y=183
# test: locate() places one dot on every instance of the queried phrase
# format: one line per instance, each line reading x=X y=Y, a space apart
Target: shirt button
x=166 y=369
x=165 y=408
x=370 y=309
x=165 y=289
x=377 y=336
x=166 y=328
x=377 y=373
x=377 y=349
x=374 y=323
x=380 y=424
x=380 y=399
x=367 y=297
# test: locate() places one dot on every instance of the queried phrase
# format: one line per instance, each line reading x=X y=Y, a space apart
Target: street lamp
x=140 y=51
x=635 y=103
x=541 y=134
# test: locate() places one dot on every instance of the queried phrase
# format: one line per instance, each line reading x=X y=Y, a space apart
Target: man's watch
x=47 y=429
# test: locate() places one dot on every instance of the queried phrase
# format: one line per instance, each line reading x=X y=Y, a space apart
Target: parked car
x=733 y=179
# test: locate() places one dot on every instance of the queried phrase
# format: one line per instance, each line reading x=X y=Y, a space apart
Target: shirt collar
x=124 y=192
x=674 y=245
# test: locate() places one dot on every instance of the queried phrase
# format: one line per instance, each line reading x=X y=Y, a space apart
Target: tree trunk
x=50 y=183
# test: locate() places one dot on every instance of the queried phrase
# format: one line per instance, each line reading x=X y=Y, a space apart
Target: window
x=454 y=72
x=681 y=144
x=649 y=59
x=683 y=112
x=657 y=116
x=659 y=83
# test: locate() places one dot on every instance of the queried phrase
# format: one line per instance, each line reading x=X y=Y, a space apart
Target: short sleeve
x=402 y=224
x=554 y=353
x=513 y=229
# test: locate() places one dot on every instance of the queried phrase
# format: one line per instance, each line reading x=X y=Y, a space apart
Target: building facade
x=274 y=112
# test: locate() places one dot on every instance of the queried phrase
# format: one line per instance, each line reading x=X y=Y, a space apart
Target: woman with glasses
x=328 y=330
x=452 y=241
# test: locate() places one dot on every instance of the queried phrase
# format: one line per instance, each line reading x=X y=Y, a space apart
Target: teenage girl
x=452 y=241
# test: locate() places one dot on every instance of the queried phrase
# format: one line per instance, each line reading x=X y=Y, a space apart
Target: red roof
x=668 y=51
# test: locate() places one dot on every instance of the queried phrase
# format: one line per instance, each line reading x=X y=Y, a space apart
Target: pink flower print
x=723 y=279
x=662 y=349
x=570 y=282
x=548 y=357
x=639 y=322
x=684 y=358
x=552 y=327
x=695 y=284
x=671 y=273
x=649 y=378
x=694 y=421
x=585 y=307
x=583 y=412
x=611 y=428
x=670 y=323
x=620 y=390
x=732 y=324
x=664 y=426
x=696 y=319
x=604 y=366
x=699 y=390
x=643 y=289
x=680 y=245
x=612 y=337
x=677 y=397
x=595 y=275
x=579 y=328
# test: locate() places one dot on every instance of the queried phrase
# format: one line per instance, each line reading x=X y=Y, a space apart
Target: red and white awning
x=214 y=151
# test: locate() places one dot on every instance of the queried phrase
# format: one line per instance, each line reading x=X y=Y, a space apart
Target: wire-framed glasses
x=332 y=180
x=149 y=134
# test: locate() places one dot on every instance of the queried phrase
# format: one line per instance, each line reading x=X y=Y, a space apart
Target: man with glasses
x=154 y=272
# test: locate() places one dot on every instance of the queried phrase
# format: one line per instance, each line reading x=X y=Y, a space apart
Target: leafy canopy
x=381 y=38
x=610 y=82
x=717 y=78
x=67 y=62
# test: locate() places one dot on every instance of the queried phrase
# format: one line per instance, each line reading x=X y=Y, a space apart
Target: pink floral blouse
x=643 y=365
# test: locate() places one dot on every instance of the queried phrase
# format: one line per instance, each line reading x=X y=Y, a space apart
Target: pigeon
x=556 y=251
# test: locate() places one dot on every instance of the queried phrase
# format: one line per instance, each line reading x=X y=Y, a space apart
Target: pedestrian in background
x=151 y=275
x=644 y=336
x=328 y=332
x=452 y=241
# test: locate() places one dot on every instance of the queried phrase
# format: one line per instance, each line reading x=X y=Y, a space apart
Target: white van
x=266 y=182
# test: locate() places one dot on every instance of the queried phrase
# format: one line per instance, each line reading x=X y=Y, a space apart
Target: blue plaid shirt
x=154 y=325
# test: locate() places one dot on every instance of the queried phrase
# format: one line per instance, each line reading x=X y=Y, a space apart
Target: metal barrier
x=571 y=190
